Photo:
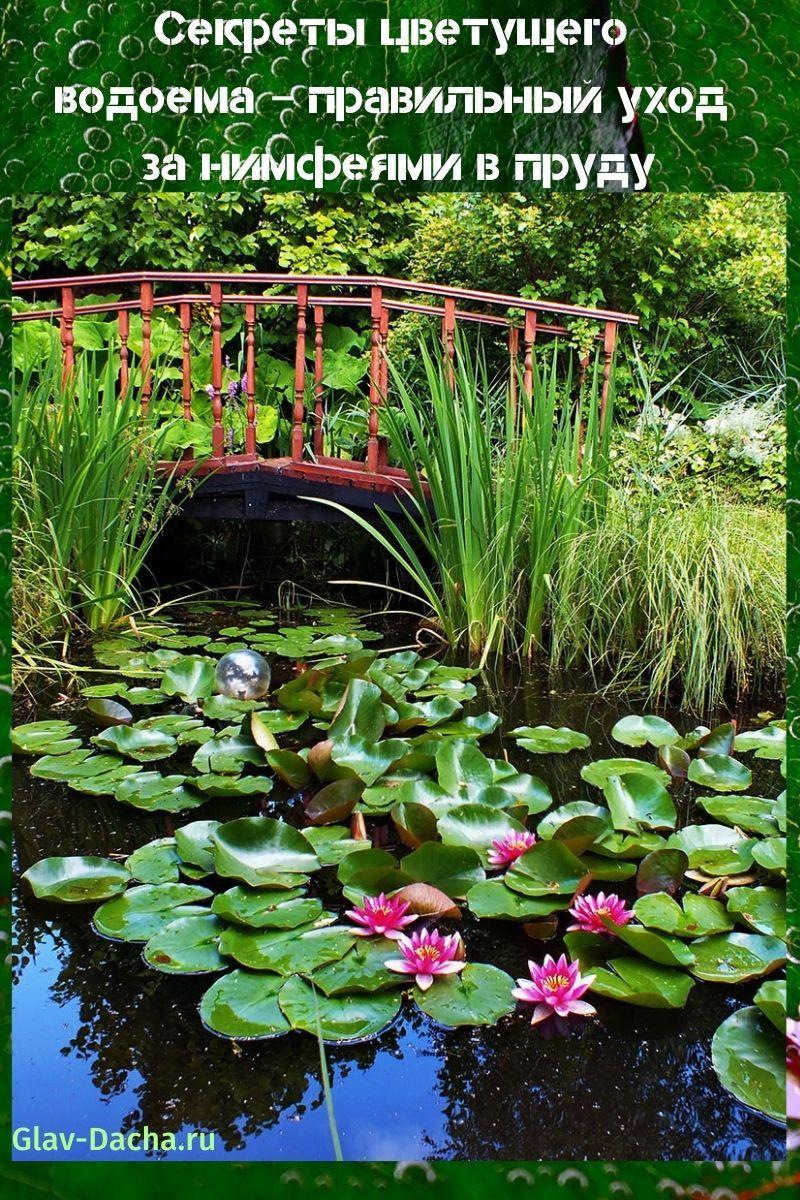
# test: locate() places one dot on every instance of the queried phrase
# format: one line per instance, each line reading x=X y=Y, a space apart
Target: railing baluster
x=250 y=378
x=217 y=430
x=298 y=427
x=383 y=442
x=528 y=339
x=513 y=358
x=376 y=306
x=67 y=335
x=319 y=409
x=146 y=304
x=123 y=322
x=449 y=338
x=186 y=370
x=609 y=344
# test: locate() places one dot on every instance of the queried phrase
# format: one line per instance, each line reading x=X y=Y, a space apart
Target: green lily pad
x=175 y=724
x=191 y=678
x=608 y=870
x=548 y=868
x=699 y=916
x=462 y=769
x=155 y=862
x=658 y=947
x=424 y=712
x=106 y=783
x=716 y=741
x=628 y=845
x=544 y=739
x=756 y=814
x=645 y=731
x=78 y=879
x=142 y=745
x=360 y=715
x=44 y=737
x=771 y=999
x=334 y=802
x=474 y=727
x=578 y=825
x=287 y=951
x=749 y=1057
x=415 y=824
x=633 y=980
x=332 y=843
x=226 y=787
x=351 y=1018
x=369 y=873
x=737 y=957
x=186 y=946
x=476 y=826
x=143 y=911
x=771 y=854
x=142 y=695
x=769 y=742
x=154 y=792
x=492 y=900
x=519 y=789
x=721 y=773
x=226 y=754
x=368 y=760
x=361 y=969
x=244 y=1005
x=478 y=995
x=451 y=869
x=636 y=801
x=760 y=908
x=194 y=846
x=290 y=767
x=262 y=909
x=109 y=712
x=715 y=849
x=74 y=764
x=599 y=772
x=263 y=852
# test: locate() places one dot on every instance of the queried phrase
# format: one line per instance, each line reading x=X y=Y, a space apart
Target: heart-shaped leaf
x=154 y=792
x=769 y=742
x=451 y=869
x=263 y=852
x=548 y=868
x=333 y=843
x=737 y=957
x=244 y=1005
x=493 y=900
x=760 y=908
x=645 y=731
x=415 y=824
x=478 y=995
x=636 y=801
x=578 y=825
x=662 y=871
x=477 y=826
x=287 y=952
x=756 y=814
x=749 y=1057
x=720 y=772
x=44 y=737
x=700 y=915
x=194 y=845
x=362 y=969
x=77 y=879
x=544 y=739
x=191 y=678
x=262 y=909
x=715 y=849
x=155 y=862
x=186 y=946
x=599 y=772
x=143 y=911
x=351 y=1018
x=142 y=745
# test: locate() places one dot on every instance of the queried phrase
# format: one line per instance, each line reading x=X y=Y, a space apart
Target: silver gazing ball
x=243 y=675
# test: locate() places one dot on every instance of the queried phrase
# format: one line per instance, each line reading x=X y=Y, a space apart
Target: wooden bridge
x=253 y=484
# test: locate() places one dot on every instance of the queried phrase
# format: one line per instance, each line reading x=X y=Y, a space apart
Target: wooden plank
x=250 y=378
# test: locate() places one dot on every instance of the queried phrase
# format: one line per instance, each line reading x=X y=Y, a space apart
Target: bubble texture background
x=748 y=45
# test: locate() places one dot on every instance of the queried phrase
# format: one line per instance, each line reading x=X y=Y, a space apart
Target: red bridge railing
x=312 y=297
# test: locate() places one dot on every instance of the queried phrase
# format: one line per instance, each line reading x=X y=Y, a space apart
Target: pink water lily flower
x=793 y=1073
x=555 y=988
x=428 y=953
x=589 y=911
x=381 y=915
x=508 y=849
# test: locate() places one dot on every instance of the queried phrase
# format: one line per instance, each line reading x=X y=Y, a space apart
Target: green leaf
x=658 y=947
x=369 y=873
x=756 y=814
x=263 y=852
x=142 y=745
x=633 y=980
x=143 y=911
x=244 y=1005
x=462 y=769
x=290 y=767
x=771 y=854
x=76 y=880
x=262 y=909
x=715 y=849
x=226 y=754
x=415 y=824
x=720 y=772
x=544 y=739
x=287 y=952
x=636 y=801
x=366 y=759
x=599 y=772
x=760 y=908
x=700 y=915
x=191 y=678
x=548 y=868
x=578 y=825
x=350 y=1018
x=360 y=715
x=493 y=900
x=478 y=995
x=334 y=802
x=224 y=787
x=769 y=742
x=193 y=844
x=451 y=869
x=645 y=731
x=155 y=862
x=109 y=712
x=749 y=1057
x=476 y=826
x=154 y=792
x=737 y=957
x=186 y=946
x=332 y=843
x=361 y=969
x=44 y=737
x=771 y=999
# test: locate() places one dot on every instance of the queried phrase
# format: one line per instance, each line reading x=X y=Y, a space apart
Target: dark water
x=102 y=1041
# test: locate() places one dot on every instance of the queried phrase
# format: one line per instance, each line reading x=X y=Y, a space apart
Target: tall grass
x=496 y=487
x=88 y=502
x=674 y=597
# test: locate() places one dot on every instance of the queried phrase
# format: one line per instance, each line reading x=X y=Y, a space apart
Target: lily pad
x=721 y=773
x=599 y=772
x=462 y=769
x=334 y=802
x=769 y=742
x=476 y=826
x=658 y=947
x=544 y=739
x=662 y=871
x=493 y=900
x=361 y=969
x=755 y=814
x=191 y=677
x=44 y=737
x=578 y=825
x=80 y=879
x=366 y=759
x=760 y=908
x=473 y=727
x=771 y=999
x=737 y=957
x=244 y=1005
x=415 y=824
x=478 y=995
x=155 y=862
x=451 y=869
x=699 y=916
x=143 y=911
x=194 y=846
x=290 y=767
x=287 y=951
x=226 y=754
x=771 y=854
x=636 y=801
x=332 y=843
x=715 y=849
x=263 y=852
x=645 y=731
x=186 y=946
x=154 y=792
x=142 y=745
x=74 y=764
x=369 y=873
x=548 y=868
x=351 y=1018
x=633 y=980
x=749 y=1057
x=109 y=712
x=227 y=787
x=262 y=909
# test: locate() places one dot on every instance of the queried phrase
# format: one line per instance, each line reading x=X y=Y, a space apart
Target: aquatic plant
x=510 y=847
x=427 y=954
x=381 y=915
x=555 y=987
x=590 y=911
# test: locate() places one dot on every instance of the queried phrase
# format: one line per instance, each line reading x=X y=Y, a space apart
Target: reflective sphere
x=243 y=675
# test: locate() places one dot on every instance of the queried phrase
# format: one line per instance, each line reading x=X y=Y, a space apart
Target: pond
x=103 y=1041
